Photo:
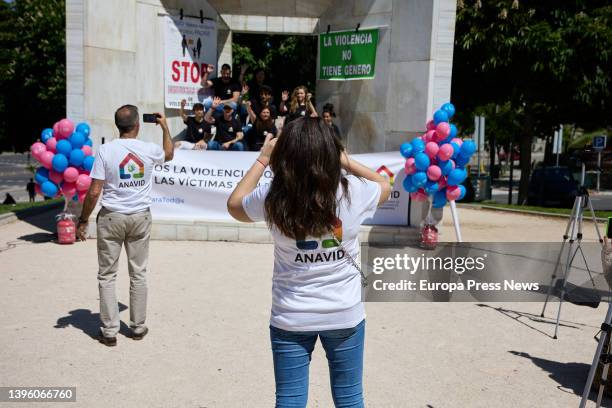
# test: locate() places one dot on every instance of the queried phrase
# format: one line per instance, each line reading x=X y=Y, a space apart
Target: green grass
x=565 y=211
x=5 y=208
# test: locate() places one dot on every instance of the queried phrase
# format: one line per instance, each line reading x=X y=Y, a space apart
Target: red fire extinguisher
x=66 y=229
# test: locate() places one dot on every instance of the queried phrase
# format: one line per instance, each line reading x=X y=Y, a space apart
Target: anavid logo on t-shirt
x=326 y=242
x=230 y=129
x=133 y=169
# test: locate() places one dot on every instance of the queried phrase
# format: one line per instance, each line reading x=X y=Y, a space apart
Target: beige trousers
x=115 y=230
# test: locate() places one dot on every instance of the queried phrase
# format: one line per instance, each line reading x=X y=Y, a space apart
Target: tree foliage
x=289 y=61
x=32 y=69
x=547 y=61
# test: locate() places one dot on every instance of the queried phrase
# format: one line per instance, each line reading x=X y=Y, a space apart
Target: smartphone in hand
x=149 y=118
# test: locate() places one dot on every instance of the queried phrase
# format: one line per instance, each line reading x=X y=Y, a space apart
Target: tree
x=32 y=69
x=549 y=61
x=288 y=60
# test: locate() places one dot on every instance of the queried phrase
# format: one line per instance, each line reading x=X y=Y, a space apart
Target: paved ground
x=14 y=175
x=209 y=346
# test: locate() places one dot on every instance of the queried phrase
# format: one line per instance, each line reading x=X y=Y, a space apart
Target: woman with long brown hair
x=299 y=106
x=314 y=206
x=263 y=127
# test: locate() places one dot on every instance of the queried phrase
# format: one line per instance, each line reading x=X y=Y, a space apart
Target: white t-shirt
x=314 y=285
x=126 y=166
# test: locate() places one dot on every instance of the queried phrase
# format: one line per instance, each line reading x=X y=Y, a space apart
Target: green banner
x=348 y=54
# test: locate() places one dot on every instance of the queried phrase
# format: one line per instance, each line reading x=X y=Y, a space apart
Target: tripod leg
x=571 y=224
x=590 y=204
x=604 y=377
x=577 y=221
x=600 y=345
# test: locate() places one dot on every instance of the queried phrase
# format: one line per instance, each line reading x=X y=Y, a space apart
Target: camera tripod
x=605 y=359
x=573 y=238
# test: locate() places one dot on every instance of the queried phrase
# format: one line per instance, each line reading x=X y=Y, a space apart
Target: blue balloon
x=77 y=140
x=41 y=175
x=83 y=128
x=449 y=108
x=439 y=199
x=462 y=189
x=431 y=187
x=456 y=149
x=456 y=177
x=408 y=185
x=453 y=132
x=468 y=147
x=440 y=116
x=419 y=178
x=446 y=167
x=76 y=157
x=48 y=189
x=421 y=161
x=461 y=160
x=59 y=163
x=88 y=163
x=89 y=142
x=406 y=149
x=418 y=146
x=63 y=147
x=46 y=135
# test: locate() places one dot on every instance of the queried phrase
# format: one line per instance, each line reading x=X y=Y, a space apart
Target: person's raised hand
x=267 y=149
x=161 y=120
x=308 y=96
x=183 y=103
x=245 y=89
x=284 y=96
x=216 y=102
x=210 y=68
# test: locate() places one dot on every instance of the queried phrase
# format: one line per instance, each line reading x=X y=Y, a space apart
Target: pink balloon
x=445 y=152
x=46 y=159
x=83 y=171
x=82 y=195
x=457 y=140
x=431 y=149
x=410 y=167
x=71 y=174
x=87 y=150
x=452 y=193
x=430 y=125
x=442 y=183
x=65 y=128
x=56 y=177
x=51 y=144
x=83 y=182
x=56 y=129
x=37 y=149
x=419 y=195
x=69 y=189
x=434 y=173
x=442 y=131
x=430 y=136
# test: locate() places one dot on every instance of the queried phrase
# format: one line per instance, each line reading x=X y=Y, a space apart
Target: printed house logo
x=309 y=245
x=385 y=172
x=131 y=167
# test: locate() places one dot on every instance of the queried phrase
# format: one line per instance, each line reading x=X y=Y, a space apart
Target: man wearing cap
x=229 y=130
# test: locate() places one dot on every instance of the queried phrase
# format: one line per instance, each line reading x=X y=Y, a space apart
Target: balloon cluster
x=435 y=162
x=65 y=155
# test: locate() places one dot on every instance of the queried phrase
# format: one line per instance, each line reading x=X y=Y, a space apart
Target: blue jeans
x=214 y=145
x=292 y=352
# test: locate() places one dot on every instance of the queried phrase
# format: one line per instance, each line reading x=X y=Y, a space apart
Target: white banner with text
x=195 y=185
